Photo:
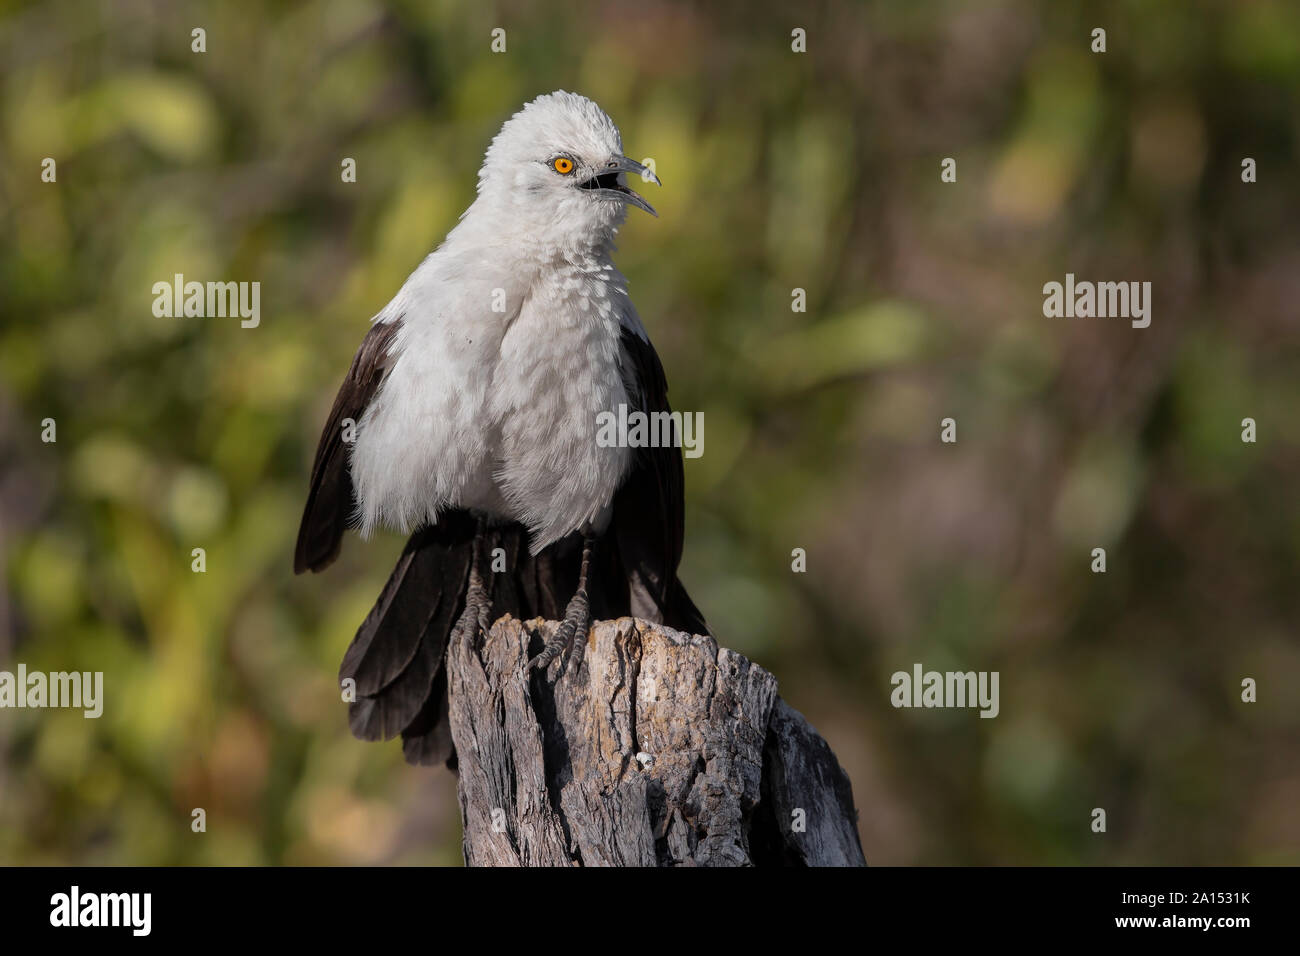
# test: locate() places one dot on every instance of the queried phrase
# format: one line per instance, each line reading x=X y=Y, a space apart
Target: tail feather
x=681 y=612
x=427 y=741
x=400 y=617
x=384 y=715
x=398 y=651
x=397 y=655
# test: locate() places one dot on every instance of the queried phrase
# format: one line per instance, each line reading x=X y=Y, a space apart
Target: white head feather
x=524 y=198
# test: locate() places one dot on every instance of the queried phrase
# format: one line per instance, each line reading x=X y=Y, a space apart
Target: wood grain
x=648 y=747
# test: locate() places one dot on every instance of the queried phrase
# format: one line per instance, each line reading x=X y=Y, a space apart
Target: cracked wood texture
x=642 y=747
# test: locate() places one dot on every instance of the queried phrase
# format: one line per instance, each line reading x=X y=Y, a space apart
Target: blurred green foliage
x=817 y=171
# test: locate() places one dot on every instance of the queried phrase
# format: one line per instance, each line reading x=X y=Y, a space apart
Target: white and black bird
x=475 y=397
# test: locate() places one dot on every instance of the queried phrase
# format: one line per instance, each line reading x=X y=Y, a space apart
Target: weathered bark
x=647 y=747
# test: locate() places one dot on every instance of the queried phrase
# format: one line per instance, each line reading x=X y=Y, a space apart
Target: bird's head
x=558 y=171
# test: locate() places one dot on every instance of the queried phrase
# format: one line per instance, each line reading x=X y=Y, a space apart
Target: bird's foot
x=475 y=621
x=577 y=619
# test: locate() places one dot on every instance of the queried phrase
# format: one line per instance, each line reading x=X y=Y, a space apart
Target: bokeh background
x=817 y=171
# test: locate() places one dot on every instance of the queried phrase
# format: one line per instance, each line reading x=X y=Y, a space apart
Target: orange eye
x=562 y=165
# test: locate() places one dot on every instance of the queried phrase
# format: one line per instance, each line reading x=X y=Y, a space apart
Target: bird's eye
x=562 y=165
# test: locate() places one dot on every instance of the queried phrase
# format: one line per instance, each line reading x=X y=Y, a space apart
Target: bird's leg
x=478 y=596
x=577 y=616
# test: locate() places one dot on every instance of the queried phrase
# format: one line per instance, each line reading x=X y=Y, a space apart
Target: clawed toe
x=560 y=642
x=577 y=617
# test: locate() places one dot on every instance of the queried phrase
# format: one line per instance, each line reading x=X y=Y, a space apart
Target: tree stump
x=643 y=747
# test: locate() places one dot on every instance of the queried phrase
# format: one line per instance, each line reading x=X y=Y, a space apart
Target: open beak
x=605 y=184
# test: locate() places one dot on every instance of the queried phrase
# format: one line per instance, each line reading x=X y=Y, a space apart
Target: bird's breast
x=560 y=367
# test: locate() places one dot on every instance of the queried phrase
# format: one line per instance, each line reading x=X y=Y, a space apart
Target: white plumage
x=496 y=410
x=477 y=397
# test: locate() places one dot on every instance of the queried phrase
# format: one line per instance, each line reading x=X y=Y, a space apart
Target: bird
x=467 y=421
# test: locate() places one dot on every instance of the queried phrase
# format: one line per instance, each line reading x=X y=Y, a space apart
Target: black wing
x=331 y=503
x=649 y=519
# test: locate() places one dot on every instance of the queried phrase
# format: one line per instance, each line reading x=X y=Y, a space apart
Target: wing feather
x=331 y=502
x=649 y=520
